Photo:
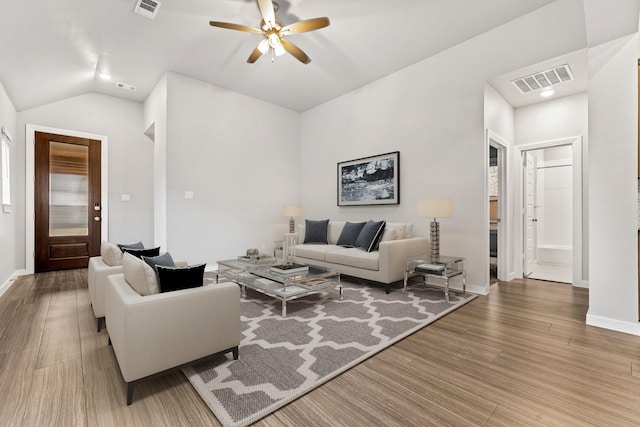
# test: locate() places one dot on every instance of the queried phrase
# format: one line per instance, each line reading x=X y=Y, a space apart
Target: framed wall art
x=371 y=180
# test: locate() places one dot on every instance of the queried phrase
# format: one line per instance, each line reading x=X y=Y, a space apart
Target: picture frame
x=373 y=180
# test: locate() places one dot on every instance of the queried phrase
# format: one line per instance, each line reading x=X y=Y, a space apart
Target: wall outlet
x=126 y=197
x=188 y=194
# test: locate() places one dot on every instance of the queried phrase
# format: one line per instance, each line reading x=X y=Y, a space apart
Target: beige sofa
x=385 y=265
x=156 y=334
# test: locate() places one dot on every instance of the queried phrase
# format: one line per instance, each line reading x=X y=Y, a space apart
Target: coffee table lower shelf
x=281 y=287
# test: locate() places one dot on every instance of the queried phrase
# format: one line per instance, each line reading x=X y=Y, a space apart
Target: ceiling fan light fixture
x=263 y=46
x=279 y=49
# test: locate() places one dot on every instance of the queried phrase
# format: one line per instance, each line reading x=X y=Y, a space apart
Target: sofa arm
x=394 y=254
x=156 y=332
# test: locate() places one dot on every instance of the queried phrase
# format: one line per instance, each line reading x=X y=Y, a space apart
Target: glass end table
x=434 y=270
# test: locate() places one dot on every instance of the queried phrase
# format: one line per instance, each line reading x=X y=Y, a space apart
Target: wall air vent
x=543 y=79
x=126 y=86
x=147 y=8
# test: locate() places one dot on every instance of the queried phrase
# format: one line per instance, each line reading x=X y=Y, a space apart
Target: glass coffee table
x=281 y=286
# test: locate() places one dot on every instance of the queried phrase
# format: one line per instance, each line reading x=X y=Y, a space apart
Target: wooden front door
x=67 y=201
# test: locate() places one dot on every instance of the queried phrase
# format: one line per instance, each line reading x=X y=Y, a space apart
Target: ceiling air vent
x=147 y=8
x=544 y=79
x=126 y=86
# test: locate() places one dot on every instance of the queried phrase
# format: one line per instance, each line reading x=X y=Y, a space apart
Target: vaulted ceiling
x=52 y=50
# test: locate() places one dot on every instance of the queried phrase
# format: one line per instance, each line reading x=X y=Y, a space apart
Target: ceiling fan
x=274 y=32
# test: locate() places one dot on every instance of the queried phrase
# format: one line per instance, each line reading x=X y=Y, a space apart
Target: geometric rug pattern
x=322 y=336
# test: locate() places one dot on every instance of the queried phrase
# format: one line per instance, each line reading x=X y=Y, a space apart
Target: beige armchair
x=97 y=281
x=156 y=334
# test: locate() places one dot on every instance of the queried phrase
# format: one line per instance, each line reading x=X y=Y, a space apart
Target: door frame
x=577 y=204
x=31 y=130
x=505 y=271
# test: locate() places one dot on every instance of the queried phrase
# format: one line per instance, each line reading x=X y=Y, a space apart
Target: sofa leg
x=387 y=288
x=130 y=393
x=235 y=353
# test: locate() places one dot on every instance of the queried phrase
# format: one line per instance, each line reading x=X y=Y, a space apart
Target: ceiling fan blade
x=304 y=26
x=267 y=11
x=255 y=55
x=295 y=51
x=237 y=27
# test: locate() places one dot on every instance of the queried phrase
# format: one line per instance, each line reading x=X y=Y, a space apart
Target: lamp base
x=292 y=225
x=435 y=240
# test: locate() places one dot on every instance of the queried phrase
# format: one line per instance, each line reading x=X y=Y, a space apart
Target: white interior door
x=530 y=213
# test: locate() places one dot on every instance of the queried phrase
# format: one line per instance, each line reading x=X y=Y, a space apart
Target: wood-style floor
x=520 y=356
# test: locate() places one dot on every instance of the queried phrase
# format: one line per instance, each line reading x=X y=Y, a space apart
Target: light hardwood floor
x=517 y=357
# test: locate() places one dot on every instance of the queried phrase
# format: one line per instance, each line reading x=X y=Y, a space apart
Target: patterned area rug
x=283 y=358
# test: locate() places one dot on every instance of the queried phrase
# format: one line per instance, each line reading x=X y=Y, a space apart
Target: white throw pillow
x=139 y=275
x=111 y=254
x=388 y=234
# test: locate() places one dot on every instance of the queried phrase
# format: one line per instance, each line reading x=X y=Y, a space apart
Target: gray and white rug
x=283 y=358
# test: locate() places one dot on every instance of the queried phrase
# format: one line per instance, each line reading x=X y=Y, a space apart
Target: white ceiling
x=53 y=49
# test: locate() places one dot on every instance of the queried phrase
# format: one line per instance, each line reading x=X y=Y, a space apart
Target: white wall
x=10 y=260
x=432 y=112
x=155 y=120
x=130 y=158
x=613 y=149
x=240 y=157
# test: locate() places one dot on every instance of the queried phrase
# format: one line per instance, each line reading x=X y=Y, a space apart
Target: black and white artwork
x=370 y=181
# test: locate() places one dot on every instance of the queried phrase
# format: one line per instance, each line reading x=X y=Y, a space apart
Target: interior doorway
x=498 y=207
x=551 y=204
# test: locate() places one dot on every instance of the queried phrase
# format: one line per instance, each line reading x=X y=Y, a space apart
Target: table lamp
x=292 y=211
x=435 y=208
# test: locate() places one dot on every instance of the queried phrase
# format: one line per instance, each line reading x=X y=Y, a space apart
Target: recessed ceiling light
x=105 y=76
x=547 y=93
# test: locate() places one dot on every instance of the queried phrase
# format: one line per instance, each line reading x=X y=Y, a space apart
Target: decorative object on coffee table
x=292 y=211
x=435 y=208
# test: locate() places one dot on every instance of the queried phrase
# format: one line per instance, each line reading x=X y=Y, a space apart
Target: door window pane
x=68 y=189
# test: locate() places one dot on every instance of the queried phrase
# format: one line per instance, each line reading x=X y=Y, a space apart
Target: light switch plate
x=188 y=194
x=126 y=197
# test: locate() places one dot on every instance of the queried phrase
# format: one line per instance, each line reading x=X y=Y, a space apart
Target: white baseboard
x=632 y=328
x=581 y=284
x=6 y=285
x=478 y=289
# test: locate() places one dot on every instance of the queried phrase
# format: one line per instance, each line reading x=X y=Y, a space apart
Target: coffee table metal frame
x=283 y=287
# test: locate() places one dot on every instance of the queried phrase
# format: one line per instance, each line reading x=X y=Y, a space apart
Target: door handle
x=96 y=218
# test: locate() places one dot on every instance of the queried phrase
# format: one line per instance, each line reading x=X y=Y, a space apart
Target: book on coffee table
x=289 y=268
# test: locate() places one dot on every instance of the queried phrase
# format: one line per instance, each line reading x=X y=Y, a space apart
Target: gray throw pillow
x=316 y=231
x=165 y=260
x=370 y=235
x=350 y=233
x=137 y=245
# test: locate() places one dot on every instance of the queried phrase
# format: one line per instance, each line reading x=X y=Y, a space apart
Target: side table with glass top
x=435 y=271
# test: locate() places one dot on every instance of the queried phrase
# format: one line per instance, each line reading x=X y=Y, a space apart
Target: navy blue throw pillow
x=176 y=278
x=350 y=233
x=316 y=231
x=139 y=253
x=370 y=235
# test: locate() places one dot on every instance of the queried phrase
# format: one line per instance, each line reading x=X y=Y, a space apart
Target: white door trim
x=505 y=245
x=576 y=144
x=30 y=186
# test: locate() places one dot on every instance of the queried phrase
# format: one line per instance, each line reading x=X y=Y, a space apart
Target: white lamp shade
x=291 y=210
x=435 y=208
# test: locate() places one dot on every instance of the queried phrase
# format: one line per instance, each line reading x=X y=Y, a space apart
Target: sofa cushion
x=312 y=251
x=138 y=253
x=350 y=233
x=140 y=276
x=111 y=254
x=176 y=278
x=137 y=245
x=316 y=231
x=370 y=235
x=165 y=259
x=354 y=257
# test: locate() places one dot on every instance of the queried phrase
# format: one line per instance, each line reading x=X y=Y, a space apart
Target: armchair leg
x=100 y=321
x=130 y=392
x=235 y=353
